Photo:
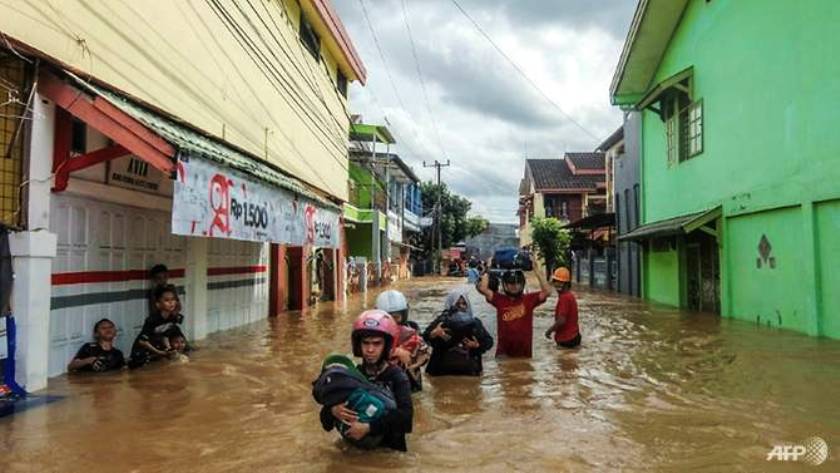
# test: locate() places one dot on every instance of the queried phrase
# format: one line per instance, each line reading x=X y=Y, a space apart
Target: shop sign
x=219 y=202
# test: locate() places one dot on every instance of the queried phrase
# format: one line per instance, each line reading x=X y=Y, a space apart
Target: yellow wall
x=539 y=212
x=179 y=56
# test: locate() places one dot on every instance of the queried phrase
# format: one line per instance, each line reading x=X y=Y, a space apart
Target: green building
x=740 y=180
x=365 y=215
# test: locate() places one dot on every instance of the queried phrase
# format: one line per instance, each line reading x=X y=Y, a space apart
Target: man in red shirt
x=565 y=328
x=514 y=311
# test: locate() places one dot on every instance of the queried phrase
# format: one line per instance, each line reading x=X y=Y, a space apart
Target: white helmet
x=393 y=302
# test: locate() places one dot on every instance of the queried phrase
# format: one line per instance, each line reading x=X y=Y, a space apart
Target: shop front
x=132 y=188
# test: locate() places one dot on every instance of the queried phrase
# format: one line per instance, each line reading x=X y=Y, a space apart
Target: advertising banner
x=214 y=201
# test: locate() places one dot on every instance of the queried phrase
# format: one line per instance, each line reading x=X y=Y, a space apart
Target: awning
x=656 y=91
x=190 y=142
x=673 y=226
x=368 y=133
x=219 y=191
x=593 y=221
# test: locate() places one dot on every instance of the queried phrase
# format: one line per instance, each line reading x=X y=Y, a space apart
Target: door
x=702 y=273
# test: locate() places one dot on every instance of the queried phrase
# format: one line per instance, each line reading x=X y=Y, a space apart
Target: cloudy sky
x=481 y=113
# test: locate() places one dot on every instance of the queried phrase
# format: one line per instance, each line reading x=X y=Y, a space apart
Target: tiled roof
x=587 y=160
x=555 y=174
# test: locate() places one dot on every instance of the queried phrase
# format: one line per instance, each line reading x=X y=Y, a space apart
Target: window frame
x=306 y=30
x=691 y=136
x=342 y=84
x=682 y=131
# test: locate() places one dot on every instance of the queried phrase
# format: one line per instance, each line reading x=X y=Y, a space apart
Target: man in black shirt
x=101 y=355
x=373 y=337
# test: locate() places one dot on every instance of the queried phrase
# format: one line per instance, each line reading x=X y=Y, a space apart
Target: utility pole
x=437 y=165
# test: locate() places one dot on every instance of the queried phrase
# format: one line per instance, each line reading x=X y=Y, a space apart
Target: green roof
x=366 y=133
x=192 y=143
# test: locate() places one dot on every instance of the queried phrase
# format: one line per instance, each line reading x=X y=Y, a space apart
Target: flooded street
x=651 y=389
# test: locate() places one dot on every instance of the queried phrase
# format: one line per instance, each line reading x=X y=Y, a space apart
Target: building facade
x=154 y=134
x=626 y=201
x=384 y=209
x=567 y=189
x=740 y=201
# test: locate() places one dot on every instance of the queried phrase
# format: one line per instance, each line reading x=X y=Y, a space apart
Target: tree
x=476 y=226
x=551 y=241
x=455 y=226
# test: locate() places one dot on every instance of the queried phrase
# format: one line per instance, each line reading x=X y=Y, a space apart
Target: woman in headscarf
x=458 y=338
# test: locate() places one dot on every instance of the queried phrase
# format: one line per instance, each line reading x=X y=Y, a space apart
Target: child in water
x=411 y=352
x=565 y=328
x=101 y=355
x=154 y=340
x=514 y=311
x=373 y=338
x=179 y=348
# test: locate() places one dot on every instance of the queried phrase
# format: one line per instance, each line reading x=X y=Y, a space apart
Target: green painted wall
x=661 y=277
x=769 y=101
x=362 y=179
x=772 y=294
x=360 y=240
x=827 y=216
x=770 y=155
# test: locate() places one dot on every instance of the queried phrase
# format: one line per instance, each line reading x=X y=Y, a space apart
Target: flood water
x=651 y=389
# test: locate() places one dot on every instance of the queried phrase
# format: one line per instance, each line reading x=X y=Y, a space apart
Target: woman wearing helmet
x=411 y=352
x=373 y=337
x=514 y=311
x=565 y=328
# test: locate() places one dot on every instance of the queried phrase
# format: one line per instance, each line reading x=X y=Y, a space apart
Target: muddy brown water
x=651 y=389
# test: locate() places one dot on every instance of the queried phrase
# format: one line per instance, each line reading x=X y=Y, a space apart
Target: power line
x=521 y=72
x=381 y=54
x=277 y=82
x=438 y=210
x=285 y=79
x=390 y=76
x=422 y=81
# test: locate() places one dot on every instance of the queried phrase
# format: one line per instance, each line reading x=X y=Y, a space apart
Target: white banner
x=214 y=201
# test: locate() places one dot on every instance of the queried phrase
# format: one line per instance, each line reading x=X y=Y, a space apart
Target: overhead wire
x=521 y=72
x=274 y=79
x=310 y=80
x=388 y=73
x=286 y=81
x=422 y=81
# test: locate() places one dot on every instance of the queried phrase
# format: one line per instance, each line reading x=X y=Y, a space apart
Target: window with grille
x=694 y=129
x=14 y=91
x=683 y=126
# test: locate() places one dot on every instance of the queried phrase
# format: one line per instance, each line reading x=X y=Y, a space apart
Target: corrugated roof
x=193 y=143
x=594 y=160
x=555 y=174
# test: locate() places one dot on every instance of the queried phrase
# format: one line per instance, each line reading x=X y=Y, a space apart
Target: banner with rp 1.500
x=214 y=201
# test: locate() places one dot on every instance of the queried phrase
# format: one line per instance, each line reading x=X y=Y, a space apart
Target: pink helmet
x=375 y=322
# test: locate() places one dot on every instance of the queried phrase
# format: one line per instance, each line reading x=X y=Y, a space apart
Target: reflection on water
x=651 y=388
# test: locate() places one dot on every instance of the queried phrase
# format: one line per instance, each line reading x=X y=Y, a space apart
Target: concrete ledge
x=38 y=244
